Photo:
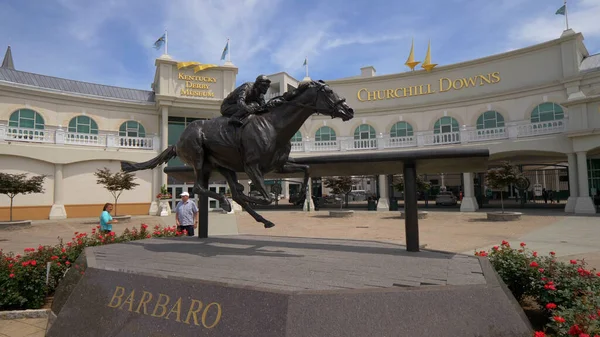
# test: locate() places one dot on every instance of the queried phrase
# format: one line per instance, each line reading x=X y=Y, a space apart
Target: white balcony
x=512 y=130
x=61 y=137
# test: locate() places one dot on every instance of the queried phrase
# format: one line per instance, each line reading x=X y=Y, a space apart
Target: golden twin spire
x=427 y=65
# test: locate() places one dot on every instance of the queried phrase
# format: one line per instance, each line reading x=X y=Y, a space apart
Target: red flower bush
x=23 y=277
x=568 y=292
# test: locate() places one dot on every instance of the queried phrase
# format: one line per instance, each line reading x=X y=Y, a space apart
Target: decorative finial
x=410 y=62
x=427 y=65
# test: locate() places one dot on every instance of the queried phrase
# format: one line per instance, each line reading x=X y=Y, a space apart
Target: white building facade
x=534 y=106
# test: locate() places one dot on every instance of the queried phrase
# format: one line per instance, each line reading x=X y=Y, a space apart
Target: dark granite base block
x=268 y=286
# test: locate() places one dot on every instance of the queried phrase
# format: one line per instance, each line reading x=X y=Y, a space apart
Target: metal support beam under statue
x=410 y=163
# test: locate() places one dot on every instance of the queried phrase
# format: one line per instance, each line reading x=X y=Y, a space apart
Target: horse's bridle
x=331 y=106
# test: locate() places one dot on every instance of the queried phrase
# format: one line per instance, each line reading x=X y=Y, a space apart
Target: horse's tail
x=162 y=158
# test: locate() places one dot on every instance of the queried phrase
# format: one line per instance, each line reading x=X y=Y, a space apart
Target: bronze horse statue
x=261 y=145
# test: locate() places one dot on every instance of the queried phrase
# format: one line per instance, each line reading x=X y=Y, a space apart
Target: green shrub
x=23 y=277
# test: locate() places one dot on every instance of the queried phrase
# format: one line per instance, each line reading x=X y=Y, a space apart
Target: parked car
x=446 y=198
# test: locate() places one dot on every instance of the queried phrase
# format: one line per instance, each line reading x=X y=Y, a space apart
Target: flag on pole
x=159 y=43
x=305 y=61
x=561 y=10
x=225 y=50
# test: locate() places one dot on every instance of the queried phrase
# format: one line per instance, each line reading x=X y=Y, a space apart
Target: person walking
x=186 y=214
x=106 y=219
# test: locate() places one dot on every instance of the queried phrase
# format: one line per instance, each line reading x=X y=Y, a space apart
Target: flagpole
x=228 y=51
x=166 y=43
x=566 y=15
x=306 y=66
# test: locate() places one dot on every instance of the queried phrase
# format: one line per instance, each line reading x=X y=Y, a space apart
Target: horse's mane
x=291 y=95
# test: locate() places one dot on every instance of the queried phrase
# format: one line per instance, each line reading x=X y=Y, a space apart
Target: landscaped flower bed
x=23 y=277
x=568 y=293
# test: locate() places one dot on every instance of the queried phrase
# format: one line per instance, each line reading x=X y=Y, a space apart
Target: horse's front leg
x=291 y=167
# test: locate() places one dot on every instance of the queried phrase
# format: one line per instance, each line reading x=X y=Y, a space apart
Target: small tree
x=13 y=184
x=341 y=186
x=115 y=183
x=422 y=185
x=503 y=176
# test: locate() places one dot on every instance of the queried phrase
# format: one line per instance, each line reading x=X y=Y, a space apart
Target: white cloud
x=546 y=26
x=361 y=39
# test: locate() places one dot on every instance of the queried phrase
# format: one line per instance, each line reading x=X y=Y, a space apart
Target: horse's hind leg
x=237 y=196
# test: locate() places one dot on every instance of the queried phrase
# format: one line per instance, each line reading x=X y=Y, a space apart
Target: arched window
x=26 y=118
x=490 y=120
x=445 y=125
x=325 y=134
x=132 y=129
x=297 y=137
x=547 y=112
x=401 y=129
x=83 y=124
x=364 y=131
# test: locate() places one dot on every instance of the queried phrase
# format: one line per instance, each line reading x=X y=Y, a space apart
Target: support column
x=573 y=185
x=309 y=205
x=58 y=212
x=154 y=192
x=384 y=202
x=411 y=219
x=164 y=141
x=468 y=203
x=584 y=204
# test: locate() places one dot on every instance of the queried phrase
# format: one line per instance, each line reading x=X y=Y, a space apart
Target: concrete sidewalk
x=572 y=237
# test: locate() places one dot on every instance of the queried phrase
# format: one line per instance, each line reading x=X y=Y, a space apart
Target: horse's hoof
x=269 y=225
x=226 y=207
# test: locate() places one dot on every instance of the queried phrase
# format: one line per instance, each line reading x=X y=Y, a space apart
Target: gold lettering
x=442 y=85
x=119 y=297
x=178 y=305
x=129 y=300
x=496 y=77
x=144 y=301
x=190 y=312
x=217 y=319
x=470 y=82
x=194 y=78
x=181 y=76
x=188 y=92
x=358 y=94
x=389 y=93
x=371 y=98
x=485 y=78
x=163 y=306
x=429 y=90
x=460 y=81
x=445 y=84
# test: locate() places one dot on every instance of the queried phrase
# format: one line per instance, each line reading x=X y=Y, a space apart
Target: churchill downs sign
x=443 y=85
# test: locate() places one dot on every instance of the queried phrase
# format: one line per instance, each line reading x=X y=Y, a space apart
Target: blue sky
x=110 y=41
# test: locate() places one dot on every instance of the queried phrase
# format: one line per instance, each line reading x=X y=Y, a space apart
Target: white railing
x=363 y=144
x=62 y=137
x=442 y=138
x=135 y=142
x=325 y=145
x=28 y=135
x=541 y=128
x=395 y=142
x=479 y=135
x=512 y=130
x=297 y=146
x=74 y=138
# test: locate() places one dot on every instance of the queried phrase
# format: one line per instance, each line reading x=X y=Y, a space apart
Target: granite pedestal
x=279 y=286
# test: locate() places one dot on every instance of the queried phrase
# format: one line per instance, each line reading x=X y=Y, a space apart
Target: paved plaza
x=449 y=230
